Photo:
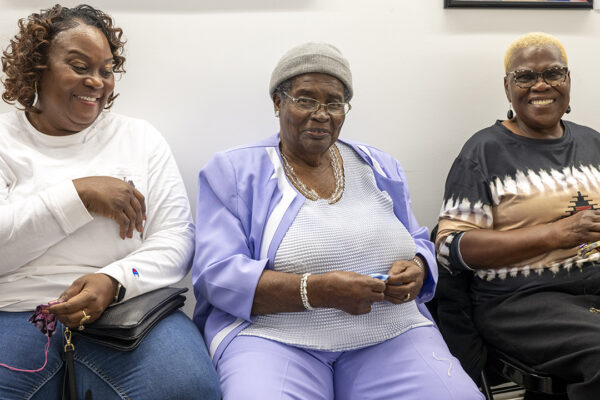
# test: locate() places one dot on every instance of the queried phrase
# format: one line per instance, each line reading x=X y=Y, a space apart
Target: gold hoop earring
x=35 y=96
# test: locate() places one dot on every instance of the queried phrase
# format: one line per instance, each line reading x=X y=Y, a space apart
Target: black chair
x=452 y=310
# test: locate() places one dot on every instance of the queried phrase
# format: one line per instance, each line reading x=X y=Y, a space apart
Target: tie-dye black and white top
x=504 y=181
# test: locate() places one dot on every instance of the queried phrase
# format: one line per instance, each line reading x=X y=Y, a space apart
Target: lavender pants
x=414 y=365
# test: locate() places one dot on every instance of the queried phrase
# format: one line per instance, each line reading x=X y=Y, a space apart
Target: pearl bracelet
x=419 y=263
x=303 y=293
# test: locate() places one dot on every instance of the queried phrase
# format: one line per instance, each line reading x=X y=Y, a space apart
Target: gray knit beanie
x=312 y=57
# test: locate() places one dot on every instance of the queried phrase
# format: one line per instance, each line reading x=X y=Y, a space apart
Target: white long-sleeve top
x=47 y=236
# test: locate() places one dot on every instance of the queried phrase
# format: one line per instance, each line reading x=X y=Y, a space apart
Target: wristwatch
x=119 y=293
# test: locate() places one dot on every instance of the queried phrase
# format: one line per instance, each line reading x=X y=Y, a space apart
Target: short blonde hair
x=533 y=39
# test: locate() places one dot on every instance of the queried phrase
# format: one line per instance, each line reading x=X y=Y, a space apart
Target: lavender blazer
x=245 y=206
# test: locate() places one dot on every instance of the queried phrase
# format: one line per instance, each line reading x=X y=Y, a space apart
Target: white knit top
x=359 y=233
x=47 y=236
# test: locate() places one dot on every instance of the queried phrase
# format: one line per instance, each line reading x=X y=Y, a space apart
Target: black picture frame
x=575 y=4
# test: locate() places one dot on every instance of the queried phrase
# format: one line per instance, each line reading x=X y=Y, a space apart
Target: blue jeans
x=171 y=363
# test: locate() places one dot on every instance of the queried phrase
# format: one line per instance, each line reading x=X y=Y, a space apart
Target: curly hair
x=26 y=57
x=533 y=39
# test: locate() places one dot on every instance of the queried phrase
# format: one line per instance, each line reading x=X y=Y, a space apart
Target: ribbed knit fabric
x=359 y=233
x=312 y=57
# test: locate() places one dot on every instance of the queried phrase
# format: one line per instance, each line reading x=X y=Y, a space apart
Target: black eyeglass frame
x=538 y=75
x=347 y=106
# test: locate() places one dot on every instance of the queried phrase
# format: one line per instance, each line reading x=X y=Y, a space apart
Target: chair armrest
x=525 y=376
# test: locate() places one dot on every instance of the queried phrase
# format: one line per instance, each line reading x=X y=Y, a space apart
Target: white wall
x=425 y=78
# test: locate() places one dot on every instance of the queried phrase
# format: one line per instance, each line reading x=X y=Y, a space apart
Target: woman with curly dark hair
x=93 y=211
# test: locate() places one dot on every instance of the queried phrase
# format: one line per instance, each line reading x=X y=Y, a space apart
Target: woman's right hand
x=115 y=199
x=582 y=227
x=89 y=295
x=347 y=291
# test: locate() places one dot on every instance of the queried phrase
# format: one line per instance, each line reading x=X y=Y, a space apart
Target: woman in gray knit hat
x=310 y=269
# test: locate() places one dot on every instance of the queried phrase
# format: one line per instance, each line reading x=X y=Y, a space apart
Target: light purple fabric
x=239 y=192
x=413 y=366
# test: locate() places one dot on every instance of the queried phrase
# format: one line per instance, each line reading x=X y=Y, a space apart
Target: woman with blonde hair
x=522 y=213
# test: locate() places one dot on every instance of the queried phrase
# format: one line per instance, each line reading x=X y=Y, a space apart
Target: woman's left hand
x=404 y=283
x=88 y=295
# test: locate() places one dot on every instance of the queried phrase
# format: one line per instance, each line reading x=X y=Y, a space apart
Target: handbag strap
x=69 y=384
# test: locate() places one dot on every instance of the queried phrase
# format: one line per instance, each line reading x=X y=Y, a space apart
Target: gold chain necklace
x=311 y=194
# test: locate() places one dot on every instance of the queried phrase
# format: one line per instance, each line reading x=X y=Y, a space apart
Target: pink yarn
x=46 y=323
x=32 y=370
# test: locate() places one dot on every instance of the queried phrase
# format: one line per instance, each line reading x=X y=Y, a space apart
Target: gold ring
x=407 y=297
x=586 y=249
x=84 y=319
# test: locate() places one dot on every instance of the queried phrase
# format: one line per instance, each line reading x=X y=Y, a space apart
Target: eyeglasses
x=312 y=105
x=525 y=78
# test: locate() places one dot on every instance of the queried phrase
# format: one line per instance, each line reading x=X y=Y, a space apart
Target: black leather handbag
x=124 y=325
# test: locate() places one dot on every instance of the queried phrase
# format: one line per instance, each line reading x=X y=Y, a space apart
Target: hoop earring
x=276 y=113
x=568 y=110
x=35 y=97
x=510 y=114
